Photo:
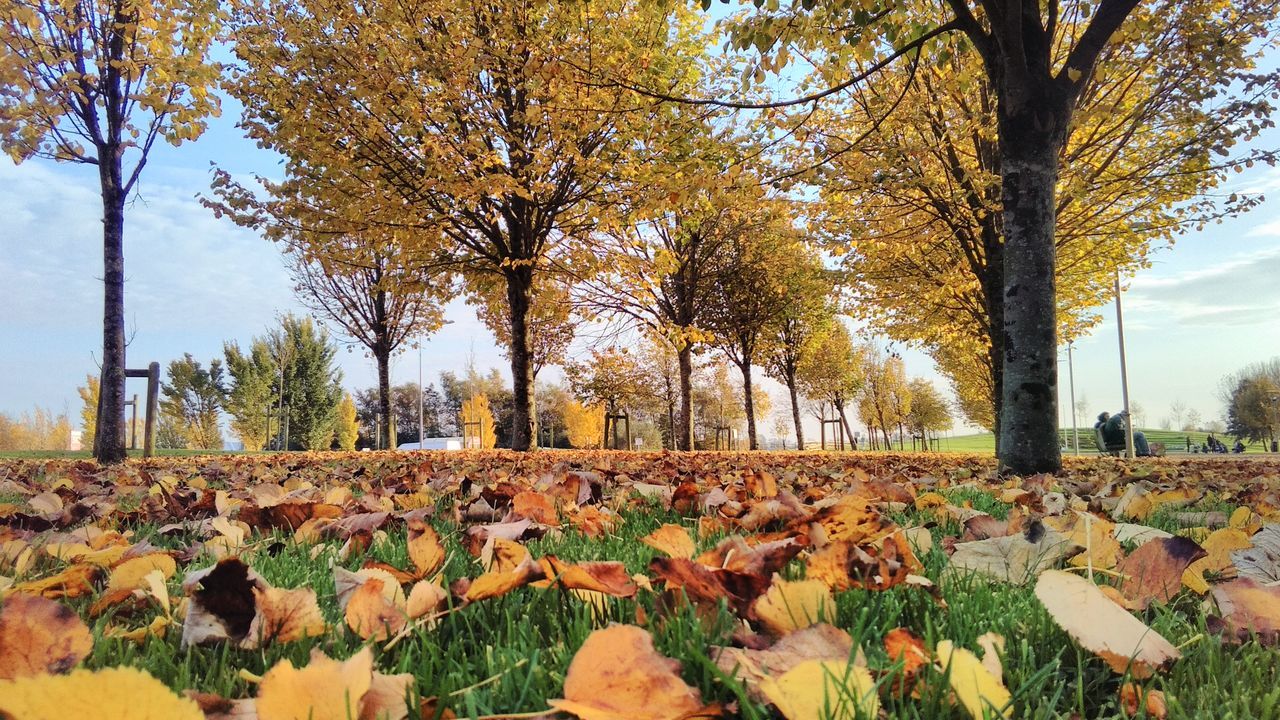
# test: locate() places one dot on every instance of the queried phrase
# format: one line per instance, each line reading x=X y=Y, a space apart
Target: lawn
x=501 y=640
x=1173 y=440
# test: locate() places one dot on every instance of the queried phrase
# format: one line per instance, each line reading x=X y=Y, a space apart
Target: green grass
x=510 y=654
x=86 y=454
x=1175 y=441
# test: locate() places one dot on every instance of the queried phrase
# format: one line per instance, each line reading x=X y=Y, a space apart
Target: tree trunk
x=684 y=439
x=749 y=405
x=795 y=407
x=109 y=440
x=1028 y=411
x=387 y=439
x=993 y=289
x=523 y=424
x=844 y=423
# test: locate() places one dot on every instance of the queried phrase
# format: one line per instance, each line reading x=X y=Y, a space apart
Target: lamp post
x=1275 y=421
x=421 y=421
x=1124 y=374
x=1071 y=376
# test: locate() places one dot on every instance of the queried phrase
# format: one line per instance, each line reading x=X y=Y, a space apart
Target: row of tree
x=981 y=169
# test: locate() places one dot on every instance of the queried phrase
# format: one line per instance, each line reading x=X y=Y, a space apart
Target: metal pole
x=153 y=410
x=1071 y=375
x=1124 y=374
x=421 y=426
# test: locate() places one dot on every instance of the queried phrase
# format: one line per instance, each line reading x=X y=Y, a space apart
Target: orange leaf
x=38 y=636
x=673 y=540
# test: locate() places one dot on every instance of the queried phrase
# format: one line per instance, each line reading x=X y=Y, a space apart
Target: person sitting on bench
x=1112 y=429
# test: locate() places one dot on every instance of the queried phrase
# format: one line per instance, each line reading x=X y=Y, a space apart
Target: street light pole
x=421 y=426
x=1071 y=375
x=1124 y=374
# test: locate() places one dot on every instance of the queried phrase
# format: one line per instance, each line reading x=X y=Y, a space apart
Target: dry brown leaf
x=1262 y=561
x=902 y=646
x=852 y=518
x=1014 y=559
x=605 y=577
x=672 y=540
x=1153 y=573
x=843 y=565
x=816 y=642
x=75 y=581
x=371 y=615
x=1249 y=608
x=705 y=585
x=1132 y=702
x=764 y=558
x=535 y=506
x=495 y=584
x=1101 y=626
x=618 y=675
x=38 y=635
x=222 y=602
x=282 y=615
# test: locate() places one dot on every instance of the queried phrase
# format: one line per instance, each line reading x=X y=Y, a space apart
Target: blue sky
x=1206 y=307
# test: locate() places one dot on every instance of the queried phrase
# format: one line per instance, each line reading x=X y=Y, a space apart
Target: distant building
x=439 y=443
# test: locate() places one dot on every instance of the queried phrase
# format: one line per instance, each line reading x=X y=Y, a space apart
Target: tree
x=806 y=314
x=37 y=430
x=96 y=82
x=1192 y=421
x=717 y=402
x=929 y=413
x=251 y=399
x=1252 y=397
x=292 y=368
x=750 y=297
x=885 y=400
x=483 y=120
x=1036 y=65
x=834 y=372
x=89 y=410
x=613 y=378
x=191 y=400
x=376 y=296
x=348 y=428
x=1177 y=410
x=916 y=207
x=584 y=424
x=476 y=410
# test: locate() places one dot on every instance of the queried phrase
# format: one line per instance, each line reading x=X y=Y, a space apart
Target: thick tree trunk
x=1028 y=411
x=993 y=289
x=684 y=439
x=795 y=407
x=387 y=439
x=523 y=423
x=749 y=405
x=109 y=440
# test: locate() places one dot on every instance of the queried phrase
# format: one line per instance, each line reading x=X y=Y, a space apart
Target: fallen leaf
x=222 y=604
x=495 y=584
x=1249 y=608
x=425 y=551
x=765 y=558
x=1218 y=548
x=117 y=693
x=325 y=689
x=609 y=578
x=793 y=604
x=1101 y=626
x=1014 y=559
x=816 y=642
x=38 y=636
x=672 y=540
x=707 y=585
x=1153 y=572
x=904 y=647
x=75 y=581
x=978 y=690
x=618 y=675
x=371 y=615
x=424 y=598
x=1262 y=561
x=852 y=518
x=345 y=584
x=282 y=615
x=823 y=690
x=843 y=565
x=1134 y=701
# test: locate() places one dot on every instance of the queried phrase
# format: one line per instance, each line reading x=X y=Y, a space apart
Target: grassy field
x=1174 y=441
x=507 y=656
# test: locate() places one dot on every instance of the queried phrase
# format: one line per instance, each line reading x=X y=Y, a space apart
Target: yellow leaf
x=120 y=693
x=1219 y=544
x=131 y=574
x=791 y=605
x=425 y=549
x=823 y=690
x=981 y=693
x=323 y=690
x=673 y=540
